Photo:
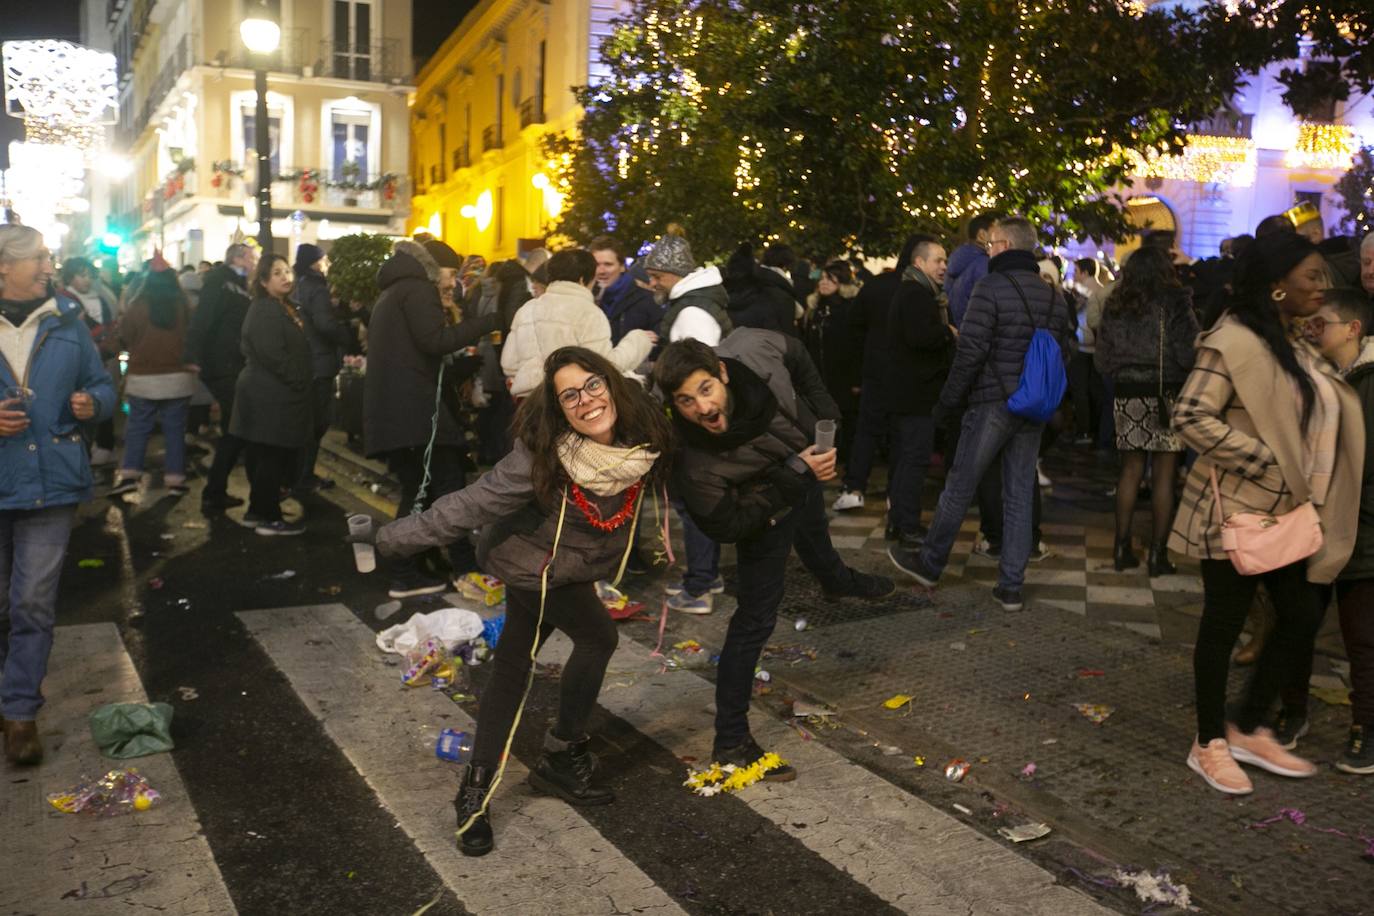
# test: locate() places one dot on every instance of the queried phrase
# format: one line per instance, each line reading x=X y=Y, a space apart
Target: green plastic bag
x=124 y=730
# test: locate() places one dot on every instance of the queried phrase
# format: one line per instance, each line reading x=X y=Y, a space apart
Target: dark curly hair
x=540 y=422
x=1148 y=278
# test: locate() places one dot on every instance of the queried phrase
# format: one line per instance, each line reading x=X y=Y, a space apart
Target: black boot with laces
x=477 y=840
x=566 y=770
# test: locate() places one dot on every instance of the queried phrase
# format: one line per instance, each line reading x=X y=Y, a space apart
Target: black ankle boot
x=1123 y=557
x=566 y=770
x=477 y=839
x=1158 y=562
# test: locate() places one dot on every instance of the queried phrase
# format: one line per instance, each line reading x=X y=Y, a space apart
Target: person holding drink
x=53 y=381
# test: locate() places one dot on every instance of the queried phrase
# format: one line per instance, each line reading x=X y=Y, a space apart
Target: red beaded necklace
x=593 y=514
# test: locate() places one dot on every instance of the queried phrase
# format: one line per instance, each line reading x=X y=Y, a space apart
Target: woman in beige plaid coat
x=1279 y=427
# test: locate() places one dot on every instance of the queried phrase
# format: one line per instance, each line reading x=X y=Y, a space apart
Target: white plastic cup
x=825 y=436
x=364 y=555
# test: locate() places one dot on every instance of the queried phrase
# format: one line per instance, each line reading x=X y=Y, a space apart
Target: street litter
x=897 y=701
x=687 y=645
x=961 y=809
x=616 y=602
x=386 y=609
x=450 y=626
x=1096 y=713
x=123 y=730
x=804 y=710
x=155 y=584
x=1025 y=832
x=958 y=646
x=1331 y=696
x=453 y=746
x=716 y=779
x=193 y=525
x=1028 y=771
x=488 y=589
x=93 y=563
x=1299 y=818
x=890 y=750
x=428 y=661
x=918 y=760
x=188 y=693
x=168 y=537
x=117 y=792
x=332 y=590
x=800 y=625
x=1155 y=888
x=1091 y=672
x=789 y=654
x=762 y=675
x=956 y=770
x=284 y=574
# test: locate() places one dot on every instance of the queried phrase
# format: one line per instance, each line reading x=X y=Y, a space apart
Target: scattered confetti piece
x=1096 y=713
x=1028 y=770
x=897 y=701
x=1091 y=672
x=1331 y=696
x=918 y=760
x=961 y=809
x=93 y=563
x=1025 y=832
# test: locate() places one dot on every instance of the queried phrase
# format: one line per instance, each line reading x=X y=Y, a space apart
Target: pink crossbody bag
x=1258 y=542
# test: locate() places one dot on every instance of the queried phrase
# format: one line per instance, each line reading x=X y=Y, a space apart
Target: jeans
x=32 y=546
x=446 y=476
x=915 y=441
x=1285 y=659
x=1357 y=629
x=229 y=447
x=990 y=509
x=872 y=426
x=703 y=555
x=762 y=568
x=270 y=469
x=322 y=407
x=144 y=415
x=990 y=434
x=578 y=612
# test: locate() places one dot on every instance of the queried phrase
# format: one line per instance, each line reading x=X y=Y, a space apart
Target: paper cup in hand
x=825 y=436
x=364 y=555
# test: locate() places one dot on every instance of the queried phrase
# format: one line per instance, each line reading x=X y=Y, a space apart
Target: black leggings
x=1286 y=660
x=578 y=612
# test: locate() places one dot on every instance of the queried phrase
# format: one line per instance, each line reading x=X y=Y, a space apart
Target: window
x=352 y=51
x=250 y=134
x=243 y=135
x=351 y=137
x=500 y=106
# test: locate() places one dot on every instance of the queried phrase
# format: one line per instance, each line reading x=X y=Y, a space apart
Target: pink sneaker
x=1218 y=768
x=1261 y=749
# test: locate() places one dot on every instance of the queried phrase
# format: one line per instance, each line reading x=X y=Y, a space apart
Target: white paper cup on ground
x=364 y=555
x=825 y=436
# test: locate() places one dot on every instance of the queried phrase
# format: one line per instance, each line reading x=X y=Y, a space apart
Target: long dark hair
x=540 y=422
x=1149 y=278
x=264 y=273
x=1253 y=306
x=164 y=297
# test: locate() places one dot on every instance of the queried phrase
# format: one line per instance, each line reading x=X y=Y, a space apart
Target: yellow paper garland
x=729 y=778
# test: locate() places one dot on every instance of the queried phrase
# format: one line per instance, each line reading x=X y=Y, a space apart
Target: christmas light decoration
x=1322 y=146
x=64 y=93
x=1205 y=160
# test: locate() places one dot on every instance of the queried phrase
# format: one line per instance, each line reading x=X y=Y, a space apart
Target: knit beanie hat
x=672 y=255
x=443 y=255
x=307 y=256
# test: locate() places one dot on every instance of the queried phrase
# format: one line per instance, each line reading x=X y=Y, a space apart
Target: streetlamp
x=261 y=35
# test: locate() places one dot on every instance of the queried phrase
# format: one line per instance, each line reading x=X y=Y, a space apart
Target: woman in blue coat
x=51 y=381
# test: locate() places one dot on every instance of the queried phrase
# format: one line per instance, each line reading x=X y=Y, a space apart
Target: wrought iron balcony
x=491 y=138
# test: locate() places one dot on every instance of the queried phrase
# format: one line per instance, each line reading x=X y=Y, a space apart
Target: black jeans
x=1357 y=628
x=445 y=476
x=271 y=468
x=910 y=460
x=1085 y=387
x=871 y=429
x=229 y=447
x=762 y=568
x=1286 y=660
x=322 y=410
x=578 y=612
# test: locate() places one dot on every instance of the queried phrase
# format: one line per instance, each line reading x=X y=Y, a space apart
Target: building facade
x=500 y=82
x=338 y=120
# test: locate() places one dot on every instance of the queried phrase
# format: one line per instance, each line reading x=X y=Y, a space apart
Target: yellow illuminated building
x=500 y=82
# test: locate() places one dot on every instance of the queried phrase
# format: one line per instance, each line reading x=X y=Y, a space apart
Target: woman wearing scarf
x=1276 y=425
x=556 y=515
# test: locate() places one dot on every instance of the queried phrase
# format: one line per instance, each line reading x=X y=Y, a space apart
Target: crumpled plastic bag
x=452 y=626
x=124 y=730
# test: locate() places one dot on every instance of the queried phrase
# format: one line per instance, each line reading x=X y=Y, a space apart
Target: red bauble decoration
x=216 y=180
x=308 y=197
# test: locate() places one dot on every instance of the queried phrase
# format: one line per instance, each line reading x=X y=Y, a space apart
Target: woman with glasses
x=557 y=514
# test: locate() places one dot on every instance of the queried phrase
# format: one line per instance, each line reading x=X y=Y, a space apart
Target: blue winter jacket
x=967 y=265
x=629 y=307
x=46 y=464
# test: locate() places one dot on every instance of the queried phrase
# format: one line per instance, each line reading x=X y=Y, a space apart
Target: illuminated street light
x=261 y=35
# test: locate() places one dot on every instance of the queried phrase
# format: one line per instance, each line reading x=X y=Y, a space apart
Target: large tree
x=838 y=125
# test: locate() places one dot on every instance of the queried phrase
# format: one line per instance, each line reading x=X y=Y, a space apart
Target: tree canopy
x=838 y=126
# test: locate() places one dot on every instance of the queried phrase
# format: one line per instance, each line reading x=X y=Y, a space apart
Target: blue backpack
x=1043 y=382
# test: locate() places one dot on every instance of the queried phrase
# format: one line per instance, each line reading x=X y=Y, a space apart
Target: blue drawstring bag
x=1043 y=381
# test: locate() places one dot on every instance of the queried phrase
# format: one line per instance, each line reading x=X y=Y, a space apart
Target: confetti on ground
x=1091 y=672
x=1096 y=713
x=93 y=563
x=1028 y=771
x=1025 y=832
x=1331 y=696
x=897 y=701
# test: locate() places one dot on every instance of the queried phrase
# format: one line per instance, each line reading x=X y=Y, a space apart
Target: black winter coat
x=407 y=339
x=920 y=345
x=327 y=333
x=272 y=395
x=868 y=326
x=830 y=345
x=629 y=307
x=1361 y=378
x=759 y=297
x=212 y=340
x=997 y=330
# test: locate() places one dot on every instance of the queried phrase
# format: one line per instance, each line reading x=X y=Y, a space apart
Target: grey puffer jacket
x=516 y=532
x=996 y=331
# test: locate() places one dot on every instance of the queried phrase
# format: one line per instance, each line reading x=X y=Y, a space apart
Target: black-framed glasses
x=595 y=386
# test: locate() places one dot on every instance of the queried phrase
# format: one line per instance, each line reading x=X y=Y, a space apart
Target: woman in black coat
x=272 y=398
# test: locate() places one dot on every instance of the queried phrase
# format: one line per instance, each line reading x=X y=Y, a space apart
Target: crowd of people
x=592 y=384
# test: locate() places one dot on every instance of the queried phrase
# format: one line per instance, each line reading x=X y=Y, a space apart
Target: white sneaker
x=1040 y=475
x=1040 y=552
x=848 y=499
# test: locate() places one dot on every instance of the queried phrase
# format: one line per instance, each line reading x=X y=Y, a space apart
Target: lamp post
x=261 y=35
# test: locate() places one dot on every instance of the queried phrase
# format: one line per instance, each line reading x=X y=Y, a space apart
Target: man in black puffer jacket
x=407 y=340
x=759 y=297
x=1005 y=310
x=745 y=413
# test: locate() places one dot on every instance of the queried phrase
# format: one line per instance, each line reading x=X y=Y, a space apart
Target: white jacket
x=565 y=316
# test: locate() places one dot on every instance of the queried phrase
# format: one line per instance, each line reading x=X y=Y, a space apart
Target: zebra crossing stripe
x=56 y=863
x=548 y=858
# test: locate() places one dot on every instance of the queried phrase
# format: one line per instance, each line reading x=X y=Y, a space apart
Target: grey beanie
x=672 y=255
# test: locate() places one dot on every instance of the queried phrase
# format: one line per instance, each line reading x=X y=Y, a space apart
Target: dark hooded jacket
x=629 y=307
x=212 y=340
x=740 y=482
x=997 y=330
x=326 y=331
x=407 y=339
x=1361 y=378
x=759 y=297
x=967 y=265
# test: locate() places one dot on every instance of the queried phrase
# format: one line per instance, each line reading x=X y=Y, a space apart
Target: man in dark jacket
x=968 y=264
x=628 y=306
x=920 y=340
x=868 y=325
x=328 y=337
x=212 y=343
x=745 y=413
x=759 y=296
x=408 y=339
x=1007 y=307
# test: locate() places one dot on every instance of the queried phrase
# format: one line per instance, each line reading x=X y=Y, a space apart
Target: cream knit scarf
x=603 y=469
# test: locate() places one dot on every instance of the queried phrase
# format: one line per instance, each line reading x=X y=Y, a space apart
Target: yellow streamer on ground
x=716 y=779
